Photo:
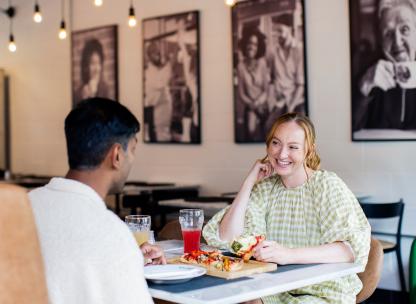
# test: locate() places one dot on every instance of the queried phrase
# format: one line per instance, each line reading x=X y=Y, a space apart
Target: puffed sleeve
x=342 y=218
x=254 y=223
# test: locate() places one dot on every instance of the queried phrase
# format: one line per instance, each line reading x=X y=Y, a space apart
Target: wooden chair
x=371 y=275
x=171 y=231
x=384 y=211
x=22 y=278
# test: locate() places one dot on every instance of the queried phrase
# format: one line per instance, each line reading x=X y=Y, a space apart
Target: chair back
x=22 y=278
x=384 y=211
x=412 y=273
x=371 y=275
x=171 y=231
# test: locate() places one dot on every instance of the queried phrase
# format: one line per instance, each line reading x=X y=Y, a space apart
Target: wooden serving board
x=249 y=268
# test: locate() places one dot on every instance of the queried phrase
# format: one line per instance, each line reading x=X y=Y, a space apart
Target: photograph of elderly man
x=383 y=50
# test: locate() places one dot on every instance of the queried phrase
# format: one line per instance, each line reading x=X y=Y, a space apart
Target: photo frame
x=383 y=71
x=269 y=65
x=171 y=79
x=94 y=63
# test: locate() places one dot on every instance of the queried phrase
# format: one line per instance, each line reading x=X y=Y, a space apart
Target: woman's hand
x=260 y=170
x=380 y=75
x=270 y=251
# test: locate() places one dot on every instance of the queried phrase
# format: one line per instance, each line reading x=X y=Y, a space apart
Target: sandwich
x=244 y=246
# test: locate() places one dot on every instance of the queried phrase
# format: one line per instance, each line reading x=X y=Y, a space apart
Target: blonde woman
x=307 y=215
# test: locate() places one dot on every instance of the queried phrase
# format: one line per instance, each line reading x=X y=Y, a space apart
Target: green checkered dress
x=322 y=210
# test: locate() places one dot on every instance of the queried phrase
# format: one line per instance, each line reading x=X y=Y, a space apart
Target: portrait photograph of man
x=383 y=69
x=94 y=63
x=171 y=95
x=269 y=65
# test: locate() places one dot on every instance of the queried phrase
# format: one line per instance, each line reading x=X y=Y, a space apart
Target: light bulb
x=98 y=2
x=230 y=2
x=12 y=44
x=62 y=31
x=62 y=34
x=132 y=17
x=132 y=21
x=37 y=16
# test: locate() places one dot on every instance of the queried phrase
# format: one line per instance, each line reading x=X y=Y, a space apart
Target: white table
x=259 y=285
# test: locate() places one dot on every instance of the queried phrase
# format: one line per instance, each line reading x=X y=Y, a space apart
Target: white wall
x=40 y=75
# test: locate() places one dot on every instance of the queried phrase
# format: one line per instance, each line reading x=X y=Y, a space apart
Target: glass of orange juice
x=140 y=226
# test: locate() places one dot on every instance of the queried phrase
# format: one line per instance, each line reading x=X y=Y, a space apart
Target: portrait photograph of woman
x=383 y=70
x=269 y=65
x=94 y=63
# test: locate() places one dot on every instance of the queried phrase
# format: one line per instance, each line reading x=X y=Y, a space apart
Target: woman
x=253 y=81
x=307 y=215
x=92 y=69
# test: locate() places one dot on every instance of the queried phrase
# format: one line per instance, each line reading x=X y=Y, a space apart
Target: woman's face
x=398 y=29
x=95 y=66
x=288 y=149
x=252 y=47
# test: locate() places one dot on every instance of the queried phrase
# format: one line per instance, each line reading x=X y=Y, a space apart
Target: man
x=158 y=100
x=380 y=102
x=287 y=70
x=89 y=253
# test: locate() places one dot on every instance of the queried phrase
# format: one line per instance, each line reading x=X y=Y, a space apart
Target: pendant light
x=62 y=30
x=10 y=12
x=132 y=16
x=37 y=16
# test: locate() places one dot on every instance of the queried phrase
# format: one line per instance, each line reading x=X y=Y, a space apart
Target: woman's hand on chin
x=261 y=169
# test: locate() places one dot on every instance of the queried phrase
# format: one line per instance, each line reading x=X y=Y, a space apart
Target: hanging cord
x=63 y=9
x=11 y=15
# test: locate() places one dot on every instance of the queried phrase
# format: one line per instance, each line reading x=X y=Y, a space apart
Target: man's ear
x=115 y=156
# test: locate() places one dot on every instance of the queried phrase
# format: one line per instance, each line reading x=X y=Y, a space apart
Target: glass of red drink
x=191 y=224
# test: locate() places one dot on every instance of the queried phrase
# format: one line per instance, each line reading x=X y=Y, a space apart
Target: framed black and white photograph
x=171 y=91
x=383 y=70
x=94 y=63
x=269 y=65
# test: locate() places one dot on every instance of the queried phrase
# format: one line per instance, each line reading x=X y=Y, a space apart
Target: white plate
x=172 y=273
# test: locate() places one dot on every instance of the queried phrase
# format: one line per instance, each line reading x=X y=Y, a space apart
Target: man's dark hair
x=285 y=19
x=91 y=46
x=93 y=127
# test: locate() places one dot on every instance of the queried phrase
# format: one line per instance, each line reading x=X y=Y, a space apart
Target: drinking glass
x=191 y=221
x=152 y=239
x=140 y=226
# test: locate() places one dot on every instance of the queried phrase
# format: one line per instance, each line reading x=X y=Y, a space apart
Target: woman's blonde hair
x=312 y=159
